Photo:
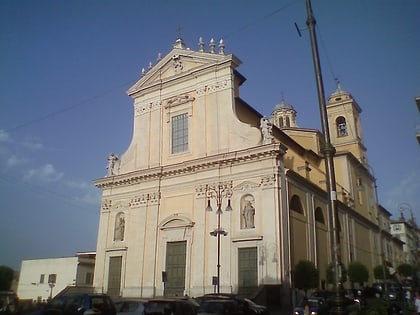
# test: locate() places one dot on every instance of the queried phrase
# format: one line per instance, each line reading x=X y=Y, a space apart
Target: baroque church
x=196 y=203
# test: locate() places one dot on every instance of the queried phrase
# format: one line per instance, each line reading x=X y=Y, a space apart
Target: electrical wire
x=88 y=101
x=258 y=20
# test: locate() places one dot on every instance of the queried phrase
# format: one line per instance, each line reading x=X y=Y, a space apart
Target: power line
x=68 y=108
x=258 y=20
x=89 y=100
x=63 y=198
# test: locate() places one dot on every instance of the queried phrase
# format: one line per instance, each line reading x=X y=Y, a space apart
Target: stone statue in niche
x=112 y=161
x=266 y=130
x=119 y=227
x=248 y=213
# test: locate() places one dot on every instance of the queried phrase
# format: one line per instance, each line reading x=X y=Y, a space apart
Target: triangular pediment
x=177 y=64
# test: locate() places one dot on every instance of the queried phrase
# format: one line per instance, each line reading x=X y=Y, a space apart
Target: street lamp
x=51 y=285
x=219 y=192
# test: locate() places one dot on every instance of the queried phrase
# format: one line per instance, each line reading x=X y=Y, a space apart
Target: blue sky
x=65 y=67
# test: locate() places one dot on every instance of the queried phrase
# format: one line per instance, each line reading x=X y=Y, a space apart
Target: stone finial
x=143 y=71
x=179 y=43
x=212 y=46
x=221 y=47
x=150 y=65
x=201 y=44
x=159 y=57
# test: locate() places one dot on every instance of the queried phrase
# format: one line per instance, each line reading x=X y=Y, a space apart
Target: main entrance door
x=114 y=276
x=247 y=270
x=176 y=253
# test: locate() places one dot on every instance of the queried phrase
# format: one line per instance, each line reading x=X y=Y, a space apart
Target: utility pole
x=328 y=151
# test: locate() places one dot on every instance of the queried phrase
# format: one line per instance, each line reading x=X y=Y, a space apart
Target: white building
x=408 y=232
x=196 y=144
x=41 y=279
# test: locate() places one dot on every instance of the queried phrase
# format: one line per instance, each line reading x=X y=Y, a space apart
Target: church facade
x=210 y=193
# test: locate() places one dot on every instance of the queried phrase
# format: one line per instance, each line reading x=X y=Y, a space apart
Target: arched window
x=319 y=215
x=119 y=227
x=281 y=122
x=287 y=121
x=296 y=205
x=341 y=126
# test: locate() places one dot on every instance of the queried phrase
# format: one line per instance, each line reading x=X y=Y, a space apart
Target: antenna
x=298 y=30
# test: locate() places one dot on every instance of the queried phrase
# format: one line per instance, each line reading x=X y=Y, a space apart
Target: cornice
x=207 y=163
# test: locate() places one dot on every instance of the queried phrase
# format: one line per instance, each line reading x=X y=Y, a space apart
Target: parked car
x=79 y=304
x=219 y=307
x=247 y=306
x=184 y=306
x=130 y=306
x=317 y=306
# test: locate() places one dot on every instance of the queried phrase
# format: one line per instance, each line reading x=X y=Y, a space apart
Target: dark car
x=130 y=306
x=79 y=304
x=317 y=306
x=247 y=306
x=184 y=306
x=219 y=307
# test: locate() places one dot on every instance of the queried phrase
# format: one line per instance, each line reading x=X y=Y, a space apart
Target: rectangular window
x=89 y=278
x=42 y=278
x=179 y=133
x=52 y=278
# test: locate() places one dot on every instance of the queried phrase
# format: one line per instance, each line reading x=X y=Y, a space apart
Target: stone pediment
x=176 y=64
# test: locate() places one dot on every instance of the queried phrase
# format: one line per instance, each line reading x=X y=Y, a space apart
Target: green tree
x=358 y=272
x=6 y=278
x=378 y=272
x=331 y=273
x=305 y=275
x=405 y=270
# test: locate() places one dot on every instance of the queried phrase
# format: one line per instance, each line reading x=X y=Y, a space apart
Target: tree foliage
x=6 y=278
x=378 y=272
x=331 y=273
x=405 y=270
x=358 y=272
x=305 y=275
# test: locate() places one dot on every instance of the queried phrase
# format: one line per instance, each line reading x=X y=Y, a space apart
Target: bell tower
x=345 y=126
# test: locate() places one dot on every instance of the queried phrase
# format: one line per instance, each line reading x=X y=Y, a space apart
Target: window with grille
x=180 y=133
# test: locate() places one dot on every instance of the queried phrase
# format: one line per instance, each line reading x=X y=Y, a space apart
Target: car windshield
x=158 y=308
x=128 y=306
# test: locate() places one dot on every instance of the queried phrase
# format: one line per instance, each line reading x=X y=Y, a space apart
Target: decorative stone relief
x=179 y=100
x=106 y=205
x=268 y=181
x=202 y=90
x=144 y=199
x=246 y=186
x=143 y=108
x=200 y=191
x=177 y=64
